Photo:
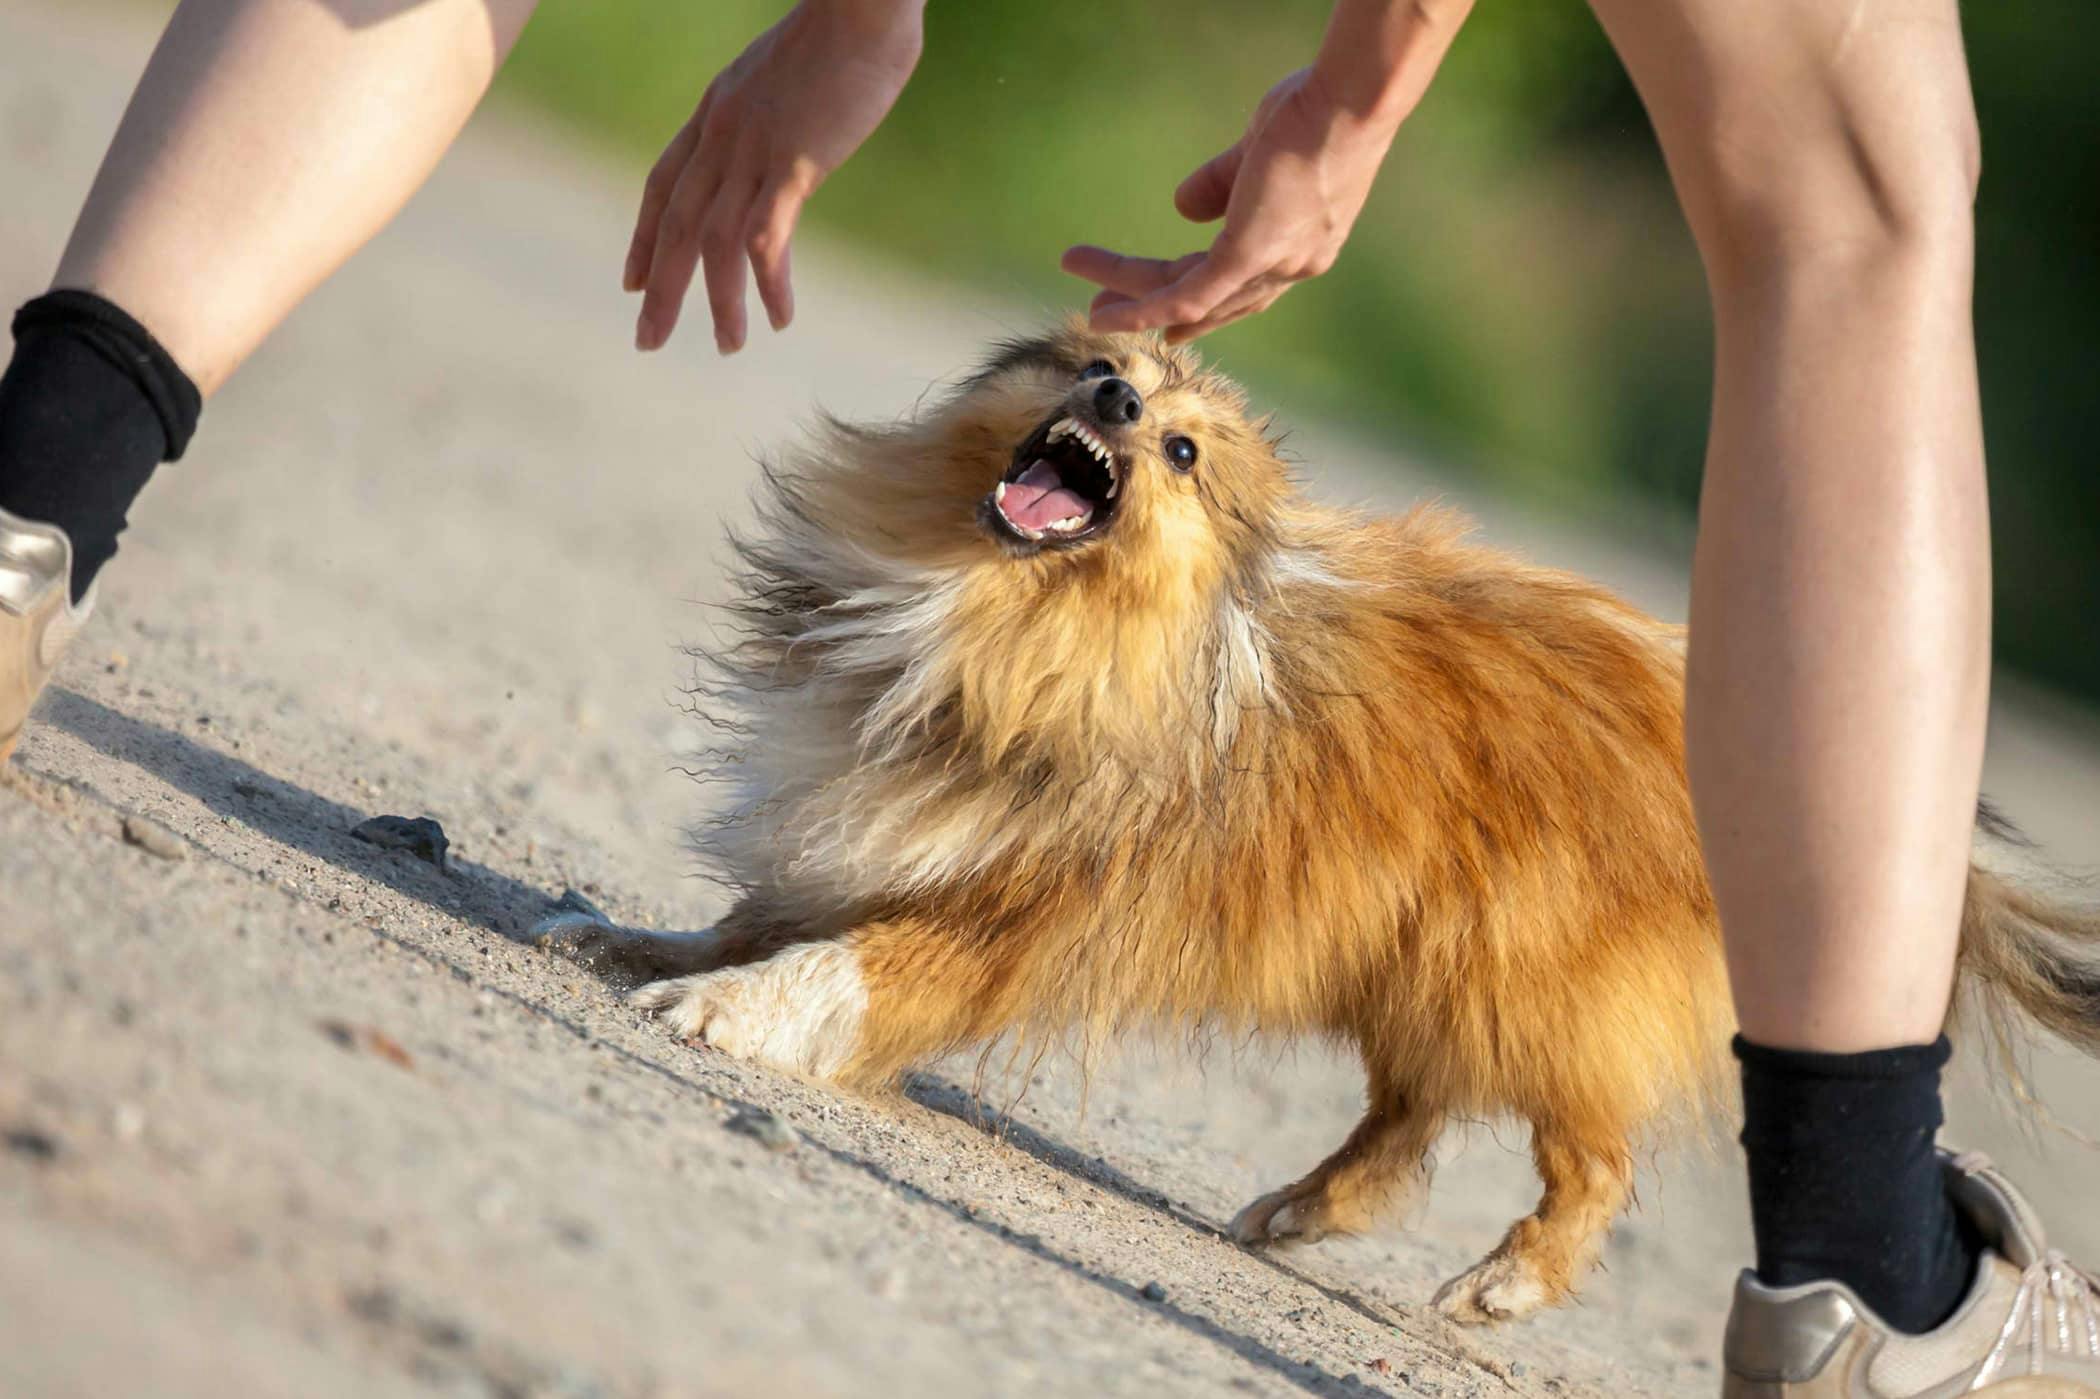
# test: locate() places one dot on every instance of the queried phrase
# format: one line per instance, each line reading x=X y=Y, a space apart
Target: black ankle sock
x=1844 y=1182
x=89 y=405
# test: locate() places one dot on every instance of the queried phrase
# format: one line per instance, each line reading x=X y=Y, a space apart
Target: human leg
x=267 y=140
x=1826 y=160
x=265 y=143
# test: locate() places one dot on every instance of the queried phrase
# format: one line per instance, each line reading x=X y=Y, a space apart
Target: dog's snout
x=1117 y=403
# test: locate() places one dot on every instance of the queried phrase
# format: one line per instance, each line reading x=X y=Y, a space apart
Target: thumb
x=1205 y=193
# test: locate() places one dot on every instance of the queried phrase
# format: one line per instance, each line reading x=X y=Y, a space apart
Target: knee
x=1868 y=181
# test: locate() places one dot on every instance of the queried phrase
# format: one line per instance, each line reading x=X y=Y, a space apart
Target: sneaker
x=2029 y=1329
x=37 y=616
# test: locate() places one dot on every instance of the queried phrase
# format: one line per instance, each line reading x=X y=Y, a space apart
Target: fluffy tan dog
x=1057 y=708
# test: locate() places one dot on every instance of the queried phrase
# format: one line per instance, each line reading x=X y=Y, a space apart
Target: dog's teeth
x=1068 y=523
x=1000 y=494
x=1061 y=428
x=1115 y=483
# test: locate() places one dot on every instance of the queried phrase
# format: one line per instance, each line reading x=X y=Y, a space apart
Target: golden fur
x=1237 y=761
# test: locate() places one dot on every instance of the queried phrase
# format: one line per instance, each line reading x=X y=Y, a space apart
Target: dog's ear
x=1045 y=351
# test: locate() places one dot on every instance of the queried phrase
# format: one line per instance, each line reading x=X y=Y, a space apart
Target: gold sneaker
x=2029 y=1329
x=37 y=616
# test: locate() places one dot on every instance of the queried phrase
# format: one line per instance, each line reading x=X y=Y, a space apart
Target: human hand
x=1289 y=190
x=770 y=128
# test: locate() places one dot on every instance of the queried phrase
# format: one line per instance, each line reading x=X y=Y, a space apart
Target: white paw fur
x=800 y=1010
x=1276 y=1218
x=1500 y=1287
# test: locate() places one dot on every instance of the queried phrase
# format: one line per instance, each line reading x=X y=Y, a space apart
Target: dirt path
x=288 y=1114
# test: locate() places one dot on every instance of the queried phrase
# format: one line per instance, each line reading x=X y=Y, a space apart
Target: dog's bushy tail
x=2026 y=950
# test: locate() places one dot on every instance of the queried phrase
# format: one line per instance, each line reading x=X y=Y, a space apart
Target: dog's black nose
x=1117 y=402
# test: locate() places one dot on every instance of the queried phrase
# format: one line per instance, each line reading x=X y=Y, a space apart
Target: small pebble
x=29 y=1142
x=244 y=788
x=372 y=1041
x=420 y=836
x=763 y=1127
x=442 y=1332
x=374 y=1304
x=154 y=838
x=1153 y=1292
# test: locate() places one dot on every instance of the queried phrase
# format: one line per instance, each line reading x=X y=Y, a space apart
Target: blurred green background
x=1521 y=301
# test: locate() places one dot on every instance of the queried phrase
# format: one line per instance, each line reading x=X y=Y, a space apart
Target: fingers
x=768 y=232
x=1237 y=310
x=656 y=196
x=1132 y=276
x=1205 y=193
x=708 y=226
x=724 y=226
x=1188 y=300
x=725 y=258
x=677 y=252
x=1141 y=293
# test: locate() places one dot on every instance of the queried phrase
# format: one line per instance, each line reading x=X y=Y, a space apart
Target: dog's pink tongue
x=1039 y=497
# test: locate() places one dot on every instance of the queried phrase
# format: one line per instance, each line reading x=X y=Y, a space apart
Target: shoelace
x=2053 y=1287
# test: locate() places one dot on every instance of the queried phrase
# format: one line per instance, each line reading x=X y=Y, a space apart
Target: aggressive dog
x=1056 y=710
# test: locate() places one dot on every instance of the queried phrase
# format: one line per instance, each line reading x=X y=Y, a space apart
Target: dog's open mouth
x=1062 y=486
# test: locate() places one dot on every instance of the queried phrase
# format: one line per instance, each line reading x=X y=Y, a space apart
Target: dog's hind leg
x=1385 y=1158
x=1588 y=1177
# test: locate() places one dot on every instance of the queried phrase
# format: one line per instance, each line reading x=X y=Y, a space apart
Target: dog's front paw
x=1288 y=1216
x=1501 y=1287
x=800 y=1011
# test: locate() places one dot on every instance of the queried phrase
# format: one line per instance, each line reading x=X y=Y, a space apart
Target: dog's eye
x=1099 y=369
x=1182 y=453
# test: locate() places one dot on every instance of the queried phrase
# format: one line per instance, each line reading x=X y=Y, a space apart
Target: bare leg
x=1826 y=158
x=267 y=141
x=1386 y=1156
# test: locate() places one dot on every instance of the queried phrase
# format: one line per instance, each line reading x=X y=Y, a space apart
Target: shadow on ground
x=477 y=895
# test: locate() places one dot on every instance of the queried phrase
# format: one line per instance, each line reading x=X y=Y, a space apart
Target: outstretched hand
x=728 y=189
x=1289 y=191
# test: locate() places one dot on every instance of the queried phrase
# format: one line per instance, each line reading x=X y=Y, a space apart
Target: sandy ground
x=289 y=1114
